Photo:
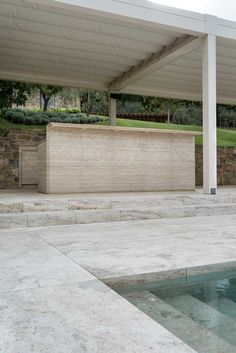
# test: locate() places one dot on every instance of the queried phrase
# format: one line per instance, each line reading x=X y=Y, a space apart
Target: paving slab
x=141 y=247
x=81 y=318
x=27 y=261
x=51 y=299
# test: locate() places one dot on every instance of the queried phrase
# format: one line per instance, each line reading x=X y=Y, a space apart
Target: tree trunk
x=45 y=104
x=77 y=103
x=168 y=115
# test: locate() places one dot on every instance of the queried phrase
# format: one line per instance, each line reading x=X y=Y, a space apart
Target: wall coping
x=62 y=126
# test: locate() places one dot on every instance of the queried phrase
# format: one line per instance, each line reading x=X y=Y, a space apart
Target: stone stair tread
x=44 y=213
x=116 y=202
x=179 y=324
x=205 y=315
x=52 y=218
x=63 y=206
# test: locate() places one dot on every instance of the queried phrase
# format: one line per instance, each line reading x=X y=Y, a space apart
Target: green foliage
x=48 y=91
x=188 y=115
x=70 y=97
x=13 y=93
x=225 y=137
x=67 y=110
x=226 y=116
x=127 y=107
x=93 y=101
x=21 y=116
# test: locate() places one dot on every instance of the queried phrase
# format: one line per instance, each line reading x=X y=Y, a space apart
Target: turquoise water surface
x=201 y=311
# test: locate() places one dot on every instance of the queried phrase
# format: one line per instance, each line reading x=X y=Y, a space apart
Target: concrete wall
x=83 y=158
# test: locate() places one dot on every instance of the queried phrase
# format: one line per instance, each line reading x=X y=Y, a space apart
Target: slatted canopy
x=95 y=44
x=129 y=46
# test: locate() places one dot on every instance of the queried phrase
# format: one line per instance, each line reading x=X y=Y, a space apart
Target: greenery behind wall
x=74 y=100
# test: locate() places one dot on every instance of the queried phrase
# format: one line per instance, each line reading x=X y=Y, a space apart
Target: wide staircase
x=61 y=210
x=206 y=327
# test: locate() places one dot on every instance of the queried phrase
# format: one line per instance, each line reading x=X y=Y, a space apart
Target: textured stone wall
x=111 y=159
x=9 y=158
x=226 y=165
x=9 y=154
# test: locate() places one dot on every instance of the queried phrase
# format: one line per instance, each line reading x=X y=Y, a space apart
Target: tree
x=162 y=105
x=93 y=101
x=70 y=97
x=12 y=92
x=226 y=116
x=48 y=91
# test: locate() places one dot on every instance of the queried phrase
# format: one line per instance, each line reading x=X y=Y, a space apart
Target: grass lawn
x=5 y=125
x=224 y=137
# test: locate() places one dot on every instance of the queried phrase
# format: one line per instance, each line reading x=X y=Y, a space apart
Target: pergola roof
x=130 y=46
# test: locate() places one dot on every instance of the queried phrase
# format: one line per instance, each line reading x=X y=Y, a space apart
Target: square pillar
x=209 y=115
x=112 y=110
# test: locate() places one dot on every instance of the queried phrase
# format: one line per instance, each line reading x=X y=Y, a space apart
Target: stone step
x=225 y=306
x=176 y=212
x=179 y=324
x=207 y=316
x=65 y=217
x=54 y=218
x=115 y=201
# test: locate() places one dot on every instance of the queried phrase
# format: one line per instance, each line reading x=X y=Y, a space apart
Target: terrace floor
x=28 y=194
x=52 y=292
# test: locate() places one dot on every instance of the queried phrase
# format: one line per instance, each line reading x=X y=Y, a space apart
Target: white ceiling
x=73 y=43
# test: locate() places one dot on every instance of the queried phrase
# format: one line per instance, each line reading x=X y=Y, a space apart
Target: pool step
x=207 y=316
x=179 y=324
x=101 y=215
x=225 y=306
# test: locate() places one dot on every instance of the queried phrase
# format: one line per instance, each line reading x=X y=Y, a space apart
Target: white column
x=209 y=115
x=112 y=111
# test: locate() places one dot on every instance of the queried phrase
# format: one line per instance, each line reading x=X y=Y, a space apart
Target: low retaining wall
x=9 y=154
x=226 y=165
x=9 y=158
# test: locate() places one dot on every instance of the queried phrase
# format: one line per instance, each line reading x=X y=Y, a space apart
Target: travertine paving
x=27 y=209
x=139 y=247
x=52 y=298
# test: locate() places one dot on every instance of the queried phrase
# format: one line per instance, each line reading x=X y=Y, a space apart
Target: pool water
x=201 y=310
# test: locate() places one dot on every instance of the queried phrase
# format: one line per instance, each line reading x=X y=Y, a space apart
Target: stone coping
x=121 y=129
x=179 y=273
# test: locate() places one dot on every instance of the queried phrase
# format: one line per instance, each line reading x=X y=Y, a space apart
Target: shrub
x=67 y=110
x=22 y=116
x=15 y=116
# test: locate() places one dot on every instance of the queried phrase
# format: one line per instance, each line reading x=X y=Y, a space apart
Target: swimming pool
x=200 y=310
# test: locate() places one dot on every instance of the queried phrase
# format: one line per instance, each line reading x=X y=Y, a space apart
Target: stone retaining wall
x=226 y=164
x=9 y=158
x=9 y=154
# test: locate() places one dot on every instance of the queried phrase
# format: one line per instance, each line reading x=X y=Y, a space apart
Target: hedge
x=27 y=117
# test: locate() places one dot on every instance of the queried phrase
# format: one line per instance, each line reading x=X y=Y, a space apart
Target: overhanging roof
x=130 y=46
